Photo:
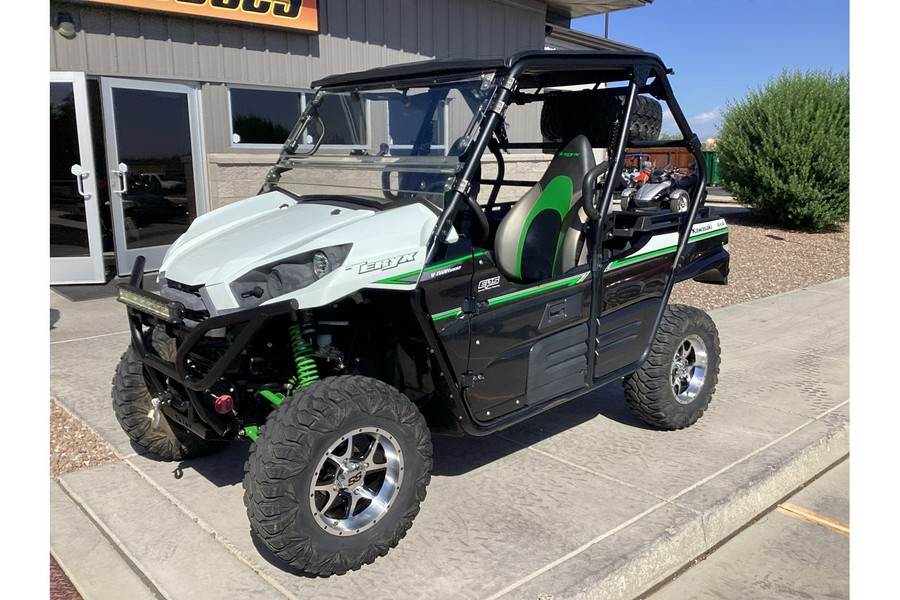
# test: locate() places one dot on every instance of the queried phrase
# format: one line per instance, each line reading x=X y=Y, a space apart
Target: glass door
x=76 y=246
x=153 y=150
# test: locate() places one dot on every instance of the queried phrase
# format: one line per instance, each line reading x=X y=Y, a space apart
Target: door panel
x=153 y=151
x=529 y=342
x=76 y=249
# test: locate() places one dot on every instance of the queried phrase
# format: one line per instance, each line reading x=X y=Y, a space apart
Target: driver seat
x=538 y=237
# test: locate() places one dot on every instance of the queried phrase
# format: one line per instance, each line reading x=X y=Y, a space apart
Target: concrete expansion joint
x=90 y=337
x=583 y=468
x=114 y=542
x=206 y=527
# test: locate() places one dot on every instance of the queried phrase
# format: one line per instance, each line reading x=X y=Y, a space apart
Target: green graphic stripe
x=453 y=262
x=516 y=295
x=397 y=279
x=541 y=288
x=446 y=315
x=708 y=234
x=653 y=254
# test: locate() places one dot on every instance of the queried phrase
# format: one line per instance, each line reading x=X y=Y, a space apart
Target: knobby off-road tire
x=132 y=402
x=675 y=384
x=595 y=114
x=337 y=474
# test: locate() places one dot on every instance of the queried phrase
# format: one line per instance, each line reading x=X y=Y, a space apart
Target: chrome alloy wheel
x=689 y=369
x=356 y=481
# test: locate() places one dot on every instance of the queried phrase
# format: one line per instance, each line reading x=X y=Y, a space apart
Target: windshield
x=383 y=145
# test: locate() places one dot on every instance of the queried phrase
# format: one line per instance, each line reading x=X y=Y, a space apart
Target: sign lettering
x=301 y=15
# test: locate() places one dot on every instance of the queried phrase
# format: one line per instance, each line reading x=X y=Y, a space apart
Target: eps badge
x=489 y=284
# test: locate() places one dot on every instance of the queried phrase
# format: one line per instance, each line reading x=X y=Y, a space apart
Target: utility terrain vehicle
x=390 y=282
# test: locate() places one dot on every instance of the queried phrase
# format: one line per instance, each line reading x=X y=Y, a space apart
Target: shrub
x=785 y=149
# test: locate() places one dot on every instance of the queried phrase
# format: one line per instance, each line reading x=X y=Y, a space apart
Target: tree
x=785 y=149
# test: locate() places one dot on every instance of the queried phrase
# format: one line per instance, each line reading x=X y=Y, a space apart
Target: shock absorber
x=303 y=357
x=306 y=370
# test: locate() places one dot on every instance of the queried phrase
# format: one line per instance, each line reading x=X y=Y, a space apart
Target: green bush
x=785 y=149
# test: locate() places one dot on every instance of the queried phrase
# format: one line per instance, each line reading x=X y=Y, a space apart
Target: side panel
x=557 y=364
x=622 y=336
x=529 y=343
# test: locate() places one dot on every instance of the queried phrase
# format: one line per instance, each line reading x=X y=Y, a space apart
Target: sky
x=721 y=49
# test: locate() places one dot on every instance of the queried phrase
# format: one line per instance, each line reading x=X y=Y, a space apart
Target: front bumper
x=148 y=310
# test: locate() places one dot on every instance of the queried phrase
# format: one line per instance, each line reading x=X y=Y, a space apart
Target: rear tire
x=337 y=474
x=674 y=386
x=132 y=400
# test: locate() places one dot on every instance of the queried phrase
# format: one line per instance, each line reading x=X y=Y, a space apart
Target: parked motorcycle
x=661 y=192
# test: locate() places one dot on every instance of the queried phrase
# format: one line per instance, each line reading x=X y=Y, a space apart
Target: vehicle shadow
x=222 y=468
x=458 y=455
x=452 y=456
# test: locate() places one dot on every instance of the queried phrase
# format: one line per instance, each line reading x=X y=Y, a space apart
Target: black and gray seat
x=539 y=237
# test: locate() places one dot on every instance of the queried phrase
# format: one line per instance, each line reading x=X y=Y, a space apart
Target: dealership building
x=162 y=110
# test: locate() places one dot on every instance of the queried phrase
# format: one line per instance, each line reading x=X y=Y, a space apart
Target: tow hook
x=153 y=415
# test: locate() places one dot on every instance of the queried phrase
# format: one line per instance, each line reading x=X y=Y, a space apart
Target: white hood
x=227 y=242
x=221 y=246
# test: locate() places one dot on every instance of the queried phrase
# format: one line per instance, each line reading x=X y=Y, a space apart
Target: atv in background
x=659 y=192
x=386 y=288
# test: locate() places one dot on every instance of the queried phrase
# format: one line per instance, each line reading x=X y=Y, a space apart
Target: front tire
x=337 y=475
x=674 y=386
x=145 y=425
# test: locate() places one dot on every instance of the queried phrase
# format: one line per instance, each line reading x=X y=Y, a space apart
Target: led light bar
x=150 y=304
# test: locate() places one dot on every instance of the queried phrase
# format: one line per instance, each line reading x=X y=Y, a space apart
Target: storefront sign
x=294 y=14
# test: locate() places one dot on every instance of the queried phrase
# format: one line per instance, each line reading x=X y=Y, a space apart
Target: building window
x=264 y=117
x=407 y=117
x=346 y=115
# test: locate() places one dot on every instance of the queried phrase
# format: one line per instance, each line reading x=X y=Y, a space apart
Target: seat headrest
x=573 y=160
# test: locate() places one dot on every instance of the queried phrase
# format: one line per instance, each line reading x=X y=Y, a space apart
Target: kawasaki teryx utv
x=405 y=270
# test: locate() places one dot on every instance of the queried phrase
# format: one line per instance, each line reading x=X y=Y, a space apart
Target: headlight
x=321 y=265
x=287 y=275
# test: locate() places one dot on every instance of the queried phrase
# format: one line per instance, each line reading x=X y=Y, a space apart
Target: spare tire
x=596 y=114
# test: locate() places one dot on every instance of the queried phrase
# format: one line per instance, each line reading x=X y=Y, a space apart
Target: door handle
x=120 y=175
x=557 y=309
x=80 y=176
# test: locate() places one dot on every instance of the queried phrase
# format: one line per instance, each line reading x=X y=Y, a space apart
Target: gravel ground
x=765 y=260
x=74 y=445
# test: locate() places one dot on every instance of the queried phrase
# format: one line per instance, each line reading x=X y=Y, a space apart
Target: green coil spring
x=303 y=356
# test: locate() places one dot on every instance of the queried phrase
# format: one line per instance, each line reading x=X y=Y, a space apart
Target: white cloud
x=707 y=117
x=704 y=124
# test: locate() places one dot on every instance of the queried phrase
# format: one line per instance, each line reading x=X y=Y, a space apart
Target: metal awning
x=585 y=8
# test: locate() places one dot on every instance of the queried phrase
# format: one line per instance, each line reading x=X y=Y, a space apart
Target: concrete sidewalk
x=582 y=501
